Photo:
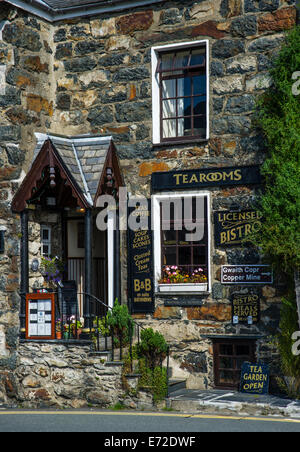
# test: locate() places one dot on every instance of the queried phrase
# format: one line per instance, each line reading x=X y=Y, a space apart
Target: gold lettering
x=177 y=177
x=237 y=174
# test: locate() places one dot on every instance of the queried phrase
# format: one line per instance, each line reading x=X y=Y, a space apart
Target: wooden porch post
x=88 y=244
x=24 y=286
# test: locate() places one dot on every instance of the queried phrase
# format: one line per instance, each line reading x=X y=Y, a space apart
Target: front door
x=76 y=264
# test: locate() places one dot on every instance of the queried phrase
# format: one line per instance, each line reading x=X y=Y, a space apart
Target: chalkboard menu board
x=232 y=227
x=40 y=316
x=140 y=265
x=254 y=378
x=245 y=308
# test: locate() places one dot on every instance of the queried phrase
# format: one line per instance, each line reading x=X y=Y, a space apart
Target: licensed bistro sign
x=231 y=228
x=207 y=177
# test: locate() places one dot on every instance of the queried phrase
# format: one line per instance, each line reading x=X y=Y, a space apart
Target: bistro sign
x=231 y=228
x=246 y=274
x=245 y=308
x=207 y=177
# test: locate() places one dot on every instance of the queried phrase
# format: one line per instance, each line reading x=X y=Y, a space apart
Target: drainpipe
x=24 y=269
x=88 y=243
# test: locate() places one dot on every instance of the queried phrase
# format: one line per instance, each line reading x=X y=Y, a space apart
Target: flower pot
x=186 y=287
x=58 y=335
x=67 y=335
x=79 y=331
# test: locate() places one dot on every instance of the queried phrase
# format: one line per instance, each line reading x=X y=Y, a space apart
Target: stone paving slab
x=229 y=402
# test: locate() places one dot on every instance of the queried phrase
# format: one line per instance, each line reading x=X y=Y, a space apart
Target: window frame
x=46 y=242
x=156 y=93
x=157 y=243
x=234 y=342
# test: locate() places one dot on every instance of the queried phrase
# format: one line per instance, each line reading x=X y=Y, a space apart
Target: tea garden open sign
x=254 y=378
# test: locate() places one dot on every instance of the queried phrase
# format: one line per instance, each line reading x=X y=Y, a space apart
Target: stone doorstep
x=232 y=403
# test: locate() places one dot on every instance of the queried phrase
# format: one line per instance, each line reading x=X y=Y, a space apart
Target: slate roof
x=84 y=157
x=55 y=10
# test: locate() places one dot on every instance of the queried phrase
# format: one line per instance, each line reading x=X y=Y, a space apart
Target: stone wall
x=92 y=75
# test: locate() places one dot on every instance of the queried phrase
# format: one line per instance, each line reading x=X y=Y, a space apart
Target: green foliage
x=290 y=364
x=120 y=320
x=154 y=380
x=278 y=116
x=153 y=347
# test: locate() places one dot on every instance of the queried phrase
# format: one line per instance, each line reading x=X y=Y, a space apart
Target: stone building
x=158 y=96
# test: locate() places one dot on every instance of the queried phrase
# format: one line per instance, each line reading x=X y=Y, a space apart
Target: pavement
x=226 y=402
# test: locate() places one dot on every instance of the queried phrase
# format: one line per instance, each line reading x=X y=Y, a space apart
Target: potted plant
x=174 y=275
x=52 y=270
x=76 y=326
x=58 y=329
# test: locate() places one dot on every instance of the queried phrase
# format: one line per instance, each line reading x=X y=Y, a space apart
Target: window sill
x=182 y=288
x=183 y=142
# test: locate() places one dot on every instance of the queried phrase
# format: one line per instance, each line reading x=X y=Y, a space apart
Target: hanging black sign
x=245 y=308
x=207 y=177
x=231 y=228
x=140 y=264
x=254 y=378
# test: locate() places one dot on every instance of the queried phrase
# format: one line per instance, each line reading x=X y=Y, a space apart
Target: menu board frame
x=39 y=297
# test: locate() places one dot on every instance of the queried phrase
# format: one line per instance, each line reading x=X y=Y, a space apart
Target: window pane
x=169 y=108
x=169 y=237
x=243 y=349
x=199 y=84
x=184 y=255
x=187 y=85
x=200 y=126
x=167 y=61
x=45 y=235
x=198 y=57
x=226 y=376
x=169 y=256
x=226 y=349
x=199 y=255
x=169 y=128
x=182 y=237
x=45 y=250
x=226 y=363
x=187 y=126
x=200 y=105
x=169 y=88
x=182 y=59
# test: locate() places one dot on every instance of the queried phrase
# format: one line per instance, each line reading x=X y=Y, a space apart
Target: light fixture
x=35 y=265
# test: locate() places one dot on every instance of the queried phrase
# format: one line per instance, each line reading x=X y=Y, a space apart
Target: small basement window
x=229 y=355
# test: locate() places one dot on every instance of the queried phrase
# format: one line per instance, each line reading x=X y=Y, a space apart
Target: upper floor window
x=180 y=92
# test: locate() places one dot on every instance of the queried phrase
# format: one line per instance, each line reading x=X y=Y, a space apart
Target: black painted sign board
x=206 y=177
x=140 y=265
x=254 y=378
x=233 y=227
x=246 y=274
x=245 y=308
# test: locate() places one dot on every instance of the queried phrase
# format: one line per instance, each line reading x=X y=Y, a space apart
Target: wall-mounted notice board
x=40 y=316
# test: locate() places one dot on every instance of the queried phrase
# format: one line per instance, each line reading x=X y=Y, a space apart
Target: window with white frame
x=46 y=241
x=180 y=92
x=181 y=241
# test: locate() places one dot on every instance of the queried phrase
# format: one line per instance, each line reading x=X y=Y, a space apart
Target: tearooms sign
x=206 y=177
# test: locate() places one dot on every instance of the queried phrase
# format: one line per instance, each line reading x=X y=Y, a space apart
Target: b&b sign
x=254 y=378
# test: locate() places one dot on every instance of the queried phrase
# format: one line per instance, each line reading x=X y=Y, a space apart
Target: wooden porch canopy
x=73 y=171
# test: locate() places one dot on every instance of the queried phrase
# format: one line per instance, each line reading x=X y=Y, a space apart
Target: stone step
x=176 y=385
